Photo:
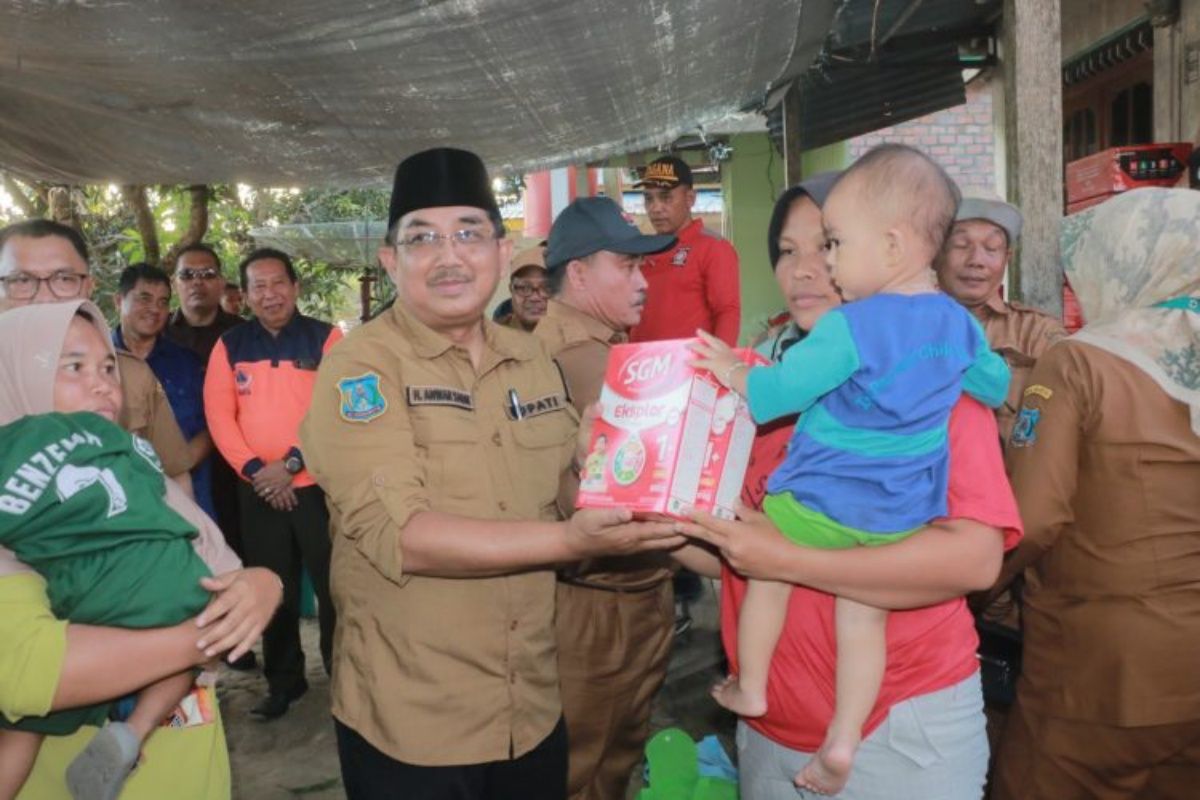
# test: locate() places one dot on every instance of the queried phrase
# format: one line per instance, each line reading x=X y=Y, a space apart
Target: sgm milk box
x=654 y=440
x=730 y=440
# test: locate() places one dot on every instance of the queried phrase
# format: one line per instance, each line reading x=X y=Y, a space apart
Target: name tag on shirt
x=439 y=396
x=539 y=406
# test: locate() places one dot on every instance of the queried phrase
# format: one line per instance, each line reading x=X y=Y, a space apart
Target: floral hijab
x=1134 y=263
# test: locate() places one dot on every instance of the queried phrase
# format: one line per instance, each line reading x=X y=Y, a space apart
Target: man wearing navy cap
x=614 y=614
x=441 y=439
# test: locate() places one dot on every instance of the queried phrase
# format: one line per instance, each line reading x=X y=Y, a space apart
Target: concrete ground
x=296 y=755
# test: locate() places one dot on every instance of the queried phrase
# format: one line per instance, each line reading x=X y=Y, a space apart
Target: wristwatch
x=294 y=462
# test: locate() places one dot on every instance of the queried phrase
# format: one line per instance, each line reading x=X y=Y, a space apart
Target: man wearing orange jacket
x=257 y=390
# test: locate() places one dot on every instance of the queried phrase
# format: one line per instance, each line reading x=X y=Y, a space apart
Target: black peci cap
x=443 y=176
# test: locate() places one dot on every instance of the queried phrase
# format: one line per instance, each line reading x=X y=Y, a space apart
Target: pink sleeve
x=209 y=543
x=723 y=292
x=978 y=487
x=221 y=410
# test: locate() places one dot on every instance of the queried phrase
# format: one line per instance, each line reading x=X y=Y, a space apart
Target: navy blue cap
x=592 y=224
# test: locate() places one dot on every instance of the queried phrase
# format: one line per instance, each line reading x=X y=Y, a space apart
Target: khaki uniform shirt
x=435 y=671
x=580 y=344
x=147 y=413
x=509 y=320
x=1020 y=334
x=1106 y=471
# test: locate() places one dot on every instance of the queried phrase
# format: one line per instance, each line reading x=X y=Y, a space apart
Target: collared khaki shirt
x=1106 y=471
x=580 y=344
x=1020 y=334
x=147 y=412
x=435 y=671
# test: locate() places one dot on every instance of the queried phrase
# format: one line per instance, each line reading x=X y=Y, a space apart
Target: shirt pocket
x=1170 y=480
x=447 y=440
x=541 y=453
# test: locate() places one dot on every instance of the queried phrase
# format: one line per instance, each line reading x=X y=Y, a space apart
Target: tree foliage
x=127 y=224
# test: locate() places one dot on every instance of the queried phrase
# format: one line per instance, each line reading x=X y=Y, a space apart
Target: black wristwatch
x=293 y=463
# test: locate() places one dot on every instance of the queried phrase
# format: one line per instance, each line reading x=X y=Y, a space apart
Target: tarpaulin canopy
x=336 y=93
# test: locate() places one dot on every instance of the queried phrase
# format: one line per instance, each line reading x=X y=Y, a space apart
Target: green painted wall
x=750 y=182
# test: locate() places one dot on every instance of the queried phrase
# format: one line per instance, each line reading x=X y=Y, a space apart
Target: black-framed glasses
x=198 y=274
x=526 y=289
x=429 y=241
x=63 y=285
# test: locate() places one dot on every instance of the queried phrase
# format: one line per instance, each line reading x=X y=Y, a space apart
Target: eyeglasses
x=198 y=274
x=428 y=242
x=526 y=289
x=63 y=285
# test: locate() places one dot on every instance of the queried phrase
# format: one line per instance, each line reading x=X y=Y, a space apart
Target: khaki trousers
x=1046 y=758
x=613 y=650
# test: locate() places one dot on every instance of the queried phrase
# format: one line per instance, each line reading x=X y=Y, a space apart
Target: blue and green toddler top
x=876 y=380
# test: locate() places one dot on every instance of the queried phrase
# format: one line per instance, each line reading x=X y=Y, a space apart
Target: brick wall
x=960 y=138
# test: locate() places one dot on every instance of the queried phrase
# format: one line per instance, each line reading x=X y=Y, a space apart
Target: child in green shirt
x=81 y=502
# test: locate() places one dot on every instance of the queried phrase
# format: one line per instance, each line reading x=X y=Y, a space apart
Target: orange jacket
x=258 y=388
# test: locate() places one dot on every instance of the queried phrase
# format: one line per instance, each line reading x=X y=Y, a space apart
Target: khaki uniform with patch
x=615 y=615
x=433 y=671
x=1106 y=470
x=147 y=412
x=1020 y=334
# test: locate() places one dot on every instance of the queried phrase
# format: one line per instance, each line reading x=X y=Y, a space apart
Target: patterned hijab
x=1134 y=263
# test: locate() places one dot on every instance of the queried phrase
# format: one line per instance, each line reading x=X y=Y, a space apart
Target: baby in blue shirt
x=868 y=461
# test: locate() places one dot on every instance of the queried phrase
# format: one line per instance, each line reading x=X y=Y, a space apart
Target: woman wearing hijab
x=46 y=665
x=1105 y=460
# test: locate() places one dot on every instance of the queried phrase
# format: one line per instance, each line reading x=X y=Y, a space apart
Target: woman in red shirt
x=925 y=738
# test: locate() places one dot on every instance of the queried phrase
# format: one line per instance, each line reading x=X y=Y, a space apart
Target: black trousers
x=225 y=501
x=540 y=774
x=283 y=541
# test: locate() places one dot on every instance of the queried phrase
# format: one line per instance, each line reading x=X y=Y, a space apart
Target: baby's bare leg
x=156 y=701
x=18 y=751
x=100 y=769
x=760 y=622
x=861 y=656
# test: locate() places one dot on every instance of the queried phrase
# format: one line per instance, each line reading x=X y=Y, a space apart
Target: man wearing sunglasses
x=199 y=321
x=197 y=325
x=42 y=261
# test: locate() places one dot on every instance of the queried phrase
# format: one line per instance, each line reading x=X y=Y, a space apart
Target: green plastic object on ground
x=673 y=771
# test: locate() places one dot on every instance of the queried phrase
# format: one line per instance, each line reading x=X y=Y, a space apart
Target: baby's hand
x=714 y=356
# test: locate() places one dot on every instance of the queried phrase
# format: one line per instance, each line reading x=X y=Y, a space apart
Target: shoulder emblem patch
x=362 y=400
x=1040 y=391
x=439 y=396
x=1024 y=432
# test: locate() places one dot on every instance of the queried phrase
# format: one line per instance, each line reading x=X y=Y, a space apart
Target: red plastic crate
x=1120 y=169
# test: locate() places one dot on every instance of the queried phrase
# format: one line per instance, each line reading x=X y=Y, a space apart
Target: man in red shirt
x=692 y=285
x=695 y=283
